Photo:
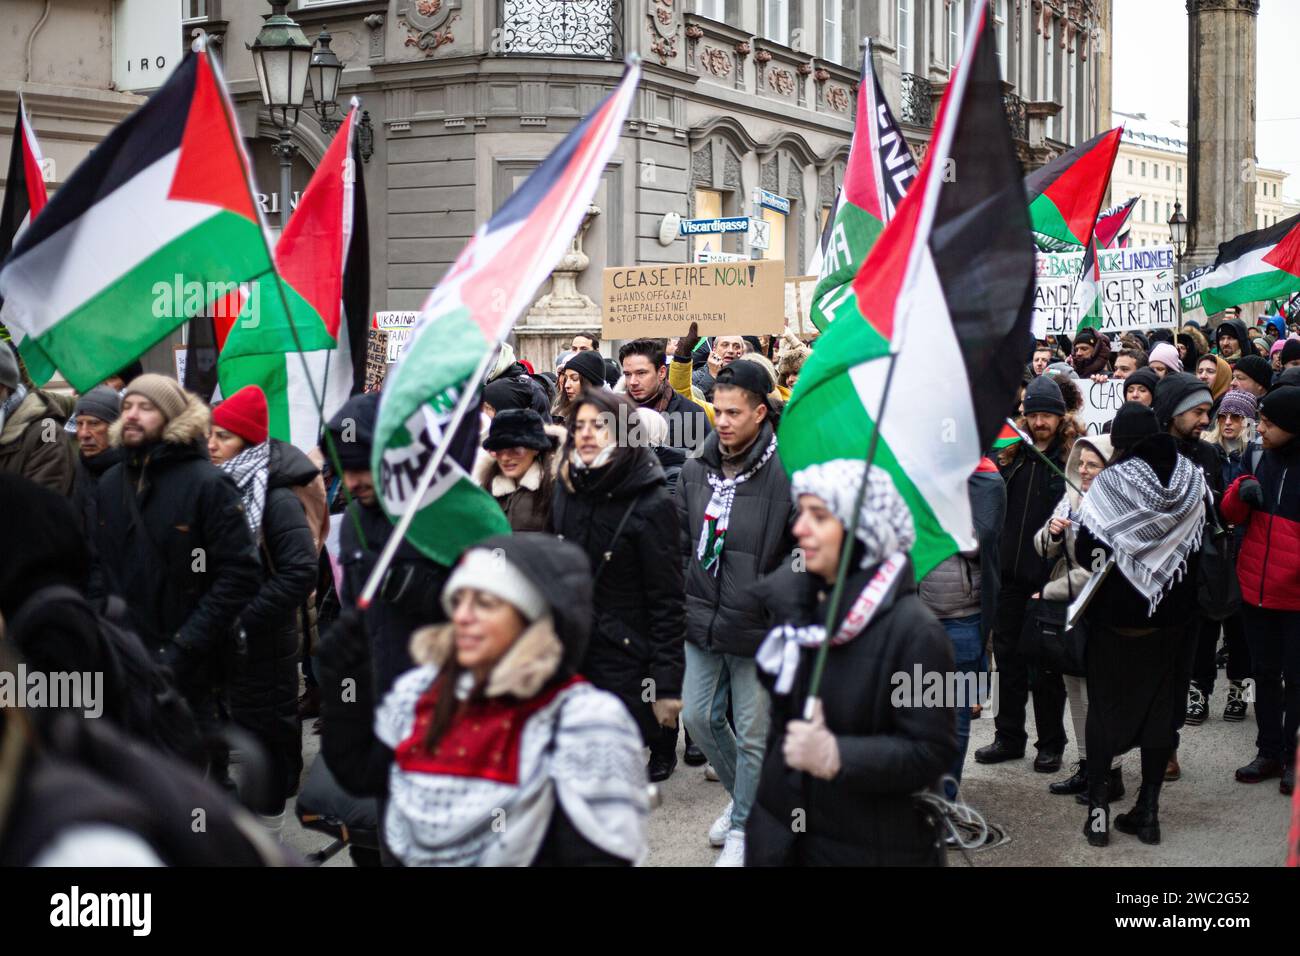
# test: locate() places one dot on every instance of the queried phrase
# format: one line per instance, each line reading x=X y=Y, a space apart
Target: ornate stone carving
x=826 y=187
x=768 y=176
x=781 y=81
x=743 y=49
x=663 y=30
x=428 y=24
x=838 y=99
x=702 y=164
x=731 y=169
x=804 y=69
x=762 y=56
x=715 y=61
x=822 y=75
x=694 y=31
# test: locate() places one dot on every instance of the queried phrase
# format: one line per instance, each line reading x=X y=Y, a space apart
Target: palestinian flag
x=323 y=261
x=1087 y=294
x=429 y=397
x=1254 y=267
x=1112 y=230
x=155 y=225
x=947 y=295
x=1007 y=437
x=24 y=198
x=880 y=168
x=1065 y=196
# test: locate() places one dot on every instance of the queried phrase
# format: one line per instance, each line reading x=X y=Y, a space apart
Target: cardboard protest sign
x=398 y=325
x=1101 y=400
x=376 y=359
x=725 y=298
x=1137 y=290
x=798 y=304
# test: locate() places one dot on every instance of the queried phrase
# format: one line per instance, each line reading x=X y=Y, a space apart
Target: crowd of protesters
x=664 y=589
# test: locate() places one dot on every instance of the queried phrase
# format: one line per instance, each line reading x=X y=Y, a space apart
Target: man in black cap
x=1231 y=337
x=408 y=597
x=1290 y=354
x=734 y=501
x=94 y=412
x=1033 y=489
x=1252 y=374
x=1183 y=404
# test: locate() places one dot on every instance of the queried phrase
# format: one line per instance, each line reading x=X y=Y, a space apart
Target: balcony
x=1016 y=119
x=585 y=29
x=915 y=100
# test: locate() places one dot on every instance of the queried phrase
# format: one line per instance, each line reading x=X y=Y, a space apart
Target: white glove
x=811 y=747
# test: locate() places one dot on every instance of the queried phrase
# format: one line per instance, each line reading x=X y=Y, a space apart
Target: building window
x=1169 y=173
x=1143 y=217
x=1180 y=174
x=1000 y=31
x=780 y=19
x=1169 y=213
x=1130 y=167
x=194 y=10
x=904 y=25
x=955 y=30
x=1144 y=169
x=776 y=247
x=833 y=29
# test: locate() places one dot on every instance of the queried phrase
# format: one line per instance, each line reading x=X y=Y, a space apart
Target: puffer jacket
x=640 y=621
x=263 y=693
x=1268 y=564
x=967 y=583
x=720 y=615
x=1068 y=576
x=25 y=450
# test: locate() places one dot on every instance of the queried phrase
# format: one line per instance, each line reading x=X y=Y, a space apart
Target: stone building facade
x=465 y=97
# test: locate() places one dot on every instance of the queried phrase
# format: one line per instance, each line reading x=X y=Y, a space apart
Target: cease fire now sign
x=725 y=298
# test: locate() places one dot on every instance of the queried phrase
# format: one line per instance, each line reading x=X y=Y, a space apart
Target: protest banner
x=1101 y=400
x=733 y=298
x=798 y=304
x=1137 y=290
x=398 y=325
x=1190 y=294
x=376 y=359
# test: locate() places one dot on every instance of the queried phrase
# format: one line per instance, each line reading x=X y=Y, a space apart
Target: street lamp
x=1178 y=232
x=281 y=54
x=324 y=74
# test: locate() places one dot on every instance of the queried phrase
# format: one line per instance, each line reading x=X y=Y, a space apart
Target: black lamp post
x=1178 y=233
x=281 y=57
x=324 y=74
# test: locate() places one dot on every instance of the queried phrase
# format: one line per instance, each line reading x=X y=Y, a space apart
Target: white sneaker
x=733 y=851
x=710 y=773
x=721 y=826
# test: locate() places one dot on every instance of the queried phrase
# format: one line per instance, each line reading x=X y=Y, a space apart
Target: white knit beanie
x=489 y=571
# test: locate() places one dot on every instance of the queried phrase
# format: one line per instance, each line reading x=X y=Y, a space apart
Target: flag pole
x=1029 y=443
x=426 y=479
x=846 y=548
x=200 y=46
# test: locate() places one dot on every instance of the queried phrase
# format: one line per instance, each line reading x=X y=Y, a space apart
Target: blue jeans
x=711 y=682
x=968 y=658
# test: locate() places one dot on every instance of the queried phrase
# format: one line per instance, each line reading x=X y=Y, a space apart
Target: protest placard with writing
x=1138 y=290
x=1101 y=400
x=725 y=298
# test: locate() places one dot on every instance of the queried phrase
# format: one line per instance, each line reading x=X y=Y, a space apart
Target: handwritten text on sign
x=1138 y=290
x=1101 y=400
x=737 y=298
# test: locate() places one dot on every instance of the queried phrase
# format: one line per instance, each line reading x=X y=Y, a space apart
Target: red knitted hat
x=244 y=414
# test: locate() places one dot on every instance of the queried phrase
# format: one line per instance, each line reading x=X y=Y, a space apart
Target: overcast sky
x=1150 y=73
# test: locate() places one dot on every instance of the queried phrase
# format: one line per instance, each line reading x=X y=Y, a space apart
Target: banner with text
x=1137 y=290
x=725 y=298
x=398 y=325
x=1101 y=400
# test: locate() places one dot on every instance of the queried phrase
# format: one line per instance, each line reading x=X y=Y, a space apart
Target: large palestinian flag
x=1254 y=267
x=323 y=261
x=1112 y=230
x=430 y=396
x=880 y=168
x=24 y=197
x=155 y=224
x=948 y=291
x=1065 y=196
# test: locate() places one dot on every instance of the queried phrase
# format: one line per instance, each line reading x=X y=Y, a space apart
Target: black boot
x=1143 y=821
x=694 y=756
x=1076 y=784
x=1115 y=784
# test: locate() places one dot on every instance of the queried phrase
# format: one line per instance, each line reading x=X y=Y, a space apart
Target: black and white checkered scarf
x=250 y=469
x=1151 y=528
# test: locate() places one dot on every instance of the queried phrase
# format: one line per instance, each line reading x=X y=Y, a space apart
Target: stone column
x=1221 y=124
x=548 y=327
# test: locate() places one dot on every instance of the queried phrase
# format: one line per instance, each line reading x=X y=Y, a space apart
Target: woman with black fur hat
x=520 y=474
x=1145 y=513
x=493 y=750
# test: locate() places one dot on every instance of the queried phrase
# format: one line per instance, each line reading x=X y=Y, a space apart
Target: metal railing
x=590 y=29
x=1015 y=108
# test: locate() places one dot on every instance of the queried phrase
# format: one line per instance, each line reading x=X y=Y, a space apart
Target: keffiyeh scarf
x=250 y=469
x=1151 y=528
x=779 y=652
x=717 y=514
x=885 y=524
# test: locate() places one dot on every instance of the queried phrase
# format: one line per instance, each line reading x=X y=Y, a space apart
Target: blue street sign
x=693 y=227
x=772 y=201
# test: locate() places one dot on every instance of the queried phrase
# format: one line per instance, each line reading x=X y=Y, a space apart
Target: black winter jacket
x=1033 y=490
x=188 y=567
x=640 y=620
x=89 y=471
x=866 y=816
x=720 y=613
x=410 y=596
x=264 y=689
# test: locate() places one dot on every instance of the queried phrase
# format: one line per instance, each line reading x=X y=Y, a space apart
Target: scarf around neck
x=12 y=402
x=250 y=470
x=717 y=514
x=1151 y=528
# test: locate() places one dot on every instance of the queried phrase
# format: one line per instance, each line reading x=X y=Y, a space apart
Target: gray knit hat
x=100 y=402
x=165 y=393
